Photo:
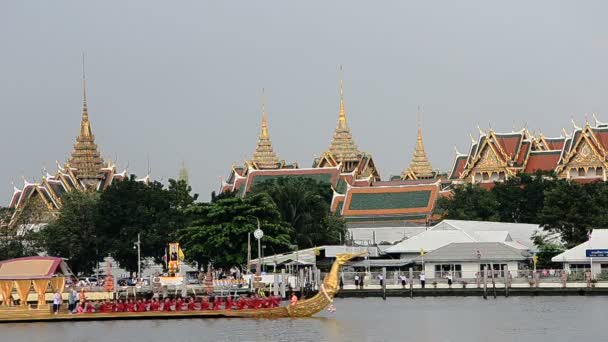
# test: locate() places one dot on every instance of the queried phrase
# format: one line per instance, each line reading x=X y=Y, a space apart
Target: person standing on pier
x=381 y=278
x=449 y=279
x=356 y=280
x=422 y=279
x=403 y=279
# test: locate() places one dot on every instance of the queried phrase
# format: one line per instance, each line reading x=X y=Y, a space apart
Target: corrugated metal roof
x=475 y=251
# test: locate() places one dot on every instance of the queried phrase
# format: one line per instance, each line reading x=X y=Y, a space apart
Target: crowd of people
x=176 y=304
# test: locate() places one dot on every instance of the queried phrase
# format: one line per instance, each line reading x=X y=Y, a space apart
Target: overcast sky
x=181 y=80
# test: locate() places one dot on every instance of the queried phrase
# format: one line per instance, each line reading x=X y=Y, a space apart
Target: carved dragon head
x=343 y=258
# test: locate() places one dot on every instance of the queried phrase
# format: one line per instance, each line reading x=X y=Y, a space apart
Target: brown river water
x=368 y=319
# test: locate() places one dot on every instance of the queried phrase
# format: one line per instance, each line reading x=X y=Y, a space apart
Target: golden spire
x=264 y=156
x=86 y=158
x=420 y=167
x=342 y=146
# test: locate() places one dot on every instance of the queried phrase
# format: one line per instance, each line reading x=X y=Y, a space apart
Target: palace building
x=360 y=196
x=38 y=203
x=580 y=155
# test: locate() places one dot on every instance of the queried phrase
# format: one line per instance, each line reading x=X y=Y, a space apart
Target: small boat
x=302 y=308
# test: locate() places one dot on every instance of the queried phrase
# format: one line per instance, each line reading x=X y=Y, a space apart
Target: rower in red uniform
x=120 y=307
x=155 y=305
x=167 y=305
x=130 y=307
x=190 y=304
x=217 y=303
x=178 y=304
x=241 y=303
x=204 y=303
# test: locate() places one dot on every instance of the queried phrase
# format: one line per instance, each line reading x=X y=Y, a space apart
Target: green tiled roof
x=321 y=177
x=339 y=208
x=341 y=187
x=383 y=218
x=389 y=200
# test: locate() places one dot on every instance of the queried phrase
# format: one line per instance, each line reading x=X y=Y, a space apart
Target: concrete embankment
x=470 y=292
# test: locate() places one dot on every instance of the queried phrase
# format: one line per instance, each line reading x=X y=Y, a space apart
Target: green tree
x=521 y=198
x=218 y=232
x=129 y=207
x=73 y=235
x=11 y=242
x=304 y=203
x=470 y=202
x=573 y=210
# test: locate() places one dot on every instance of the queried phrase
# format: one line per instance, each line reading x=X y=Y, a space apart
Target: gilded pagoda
x=38 y=203
x=343 y=152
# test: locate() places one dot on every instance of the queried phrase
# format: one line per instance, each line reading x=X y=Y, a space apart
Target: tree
x=573 y=210
x=129 y=207
x=11 y=241
x=218 y=232
x=521 y=198
x=74 y=234
x=304 y=203
x=470 y=202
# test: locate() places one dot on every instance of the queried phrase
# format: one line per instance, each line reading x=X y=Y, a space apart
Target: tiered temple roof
x=264 y=157
x=40 y=202
x=343 y=151
x=420 y=167
x=85 y=158
x=580 y=155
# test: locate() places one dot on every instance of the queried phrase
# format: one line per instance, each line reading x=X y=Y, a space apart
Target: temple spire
x=86 y=158
x=420 y=167
x=342 y=146
x=264 y=156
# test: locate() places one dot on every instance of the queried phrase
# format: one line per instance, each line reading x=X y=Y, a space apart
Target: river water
x=367 y=319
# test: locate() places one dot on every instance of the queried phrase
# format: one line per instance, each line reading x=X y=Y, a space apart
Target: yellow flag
x=421 y=251
x=181 y=254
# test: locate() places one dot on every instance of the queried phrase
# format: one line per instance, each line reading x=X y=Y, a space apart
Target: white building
x=465 y=260
x=516 y=235
x=581 y=258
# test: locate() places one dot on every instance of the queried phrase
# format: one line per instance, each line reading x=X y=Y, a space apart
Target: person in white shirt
x=450 y=279
x=56 y=302
x=403 y=279
x=422 y=279
x=381 y=278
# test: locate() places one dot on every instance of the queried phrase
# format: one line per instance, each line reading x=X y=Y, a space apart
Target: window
x=499 y=269
x=442 y=270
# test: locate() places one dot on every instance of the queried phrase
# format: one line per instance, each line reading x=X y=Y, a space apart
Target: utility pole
x=138 y=246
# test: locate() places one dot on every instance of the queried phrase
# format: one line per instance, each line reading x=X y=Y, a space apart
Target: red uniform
x=154 y=306
x=204 y=305
x=217 y=303
x=178 y=305
x=167 y=306
x=120 y=307
x=229 y=303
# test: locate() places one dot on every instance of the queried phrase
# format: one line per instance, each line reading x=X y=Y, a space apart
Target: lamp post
x=259 y=234
x=138 y=246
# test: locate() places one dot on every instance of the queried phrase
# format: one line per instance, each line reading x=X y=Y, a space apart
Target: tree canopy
x=218 y=232
x=565 y=207
x=304 y=203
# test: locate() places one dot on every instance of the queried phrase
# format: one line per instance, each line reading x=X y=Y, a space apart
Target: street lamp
x=138 y=246
x=259 y=234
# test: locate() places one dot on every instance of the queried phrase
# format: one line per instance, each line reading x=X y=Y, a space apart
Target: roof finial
x=574 y=123
x=472 y=139
x=84 y=88
x=342 y=116
x=264 y=133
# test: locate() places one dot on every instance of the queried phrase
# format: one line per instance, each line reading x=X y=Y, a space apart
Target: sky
x=181 y=81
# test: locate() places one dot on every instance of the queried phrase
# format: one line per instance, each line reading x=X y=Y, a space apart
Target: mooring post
x=507 y=280
x=485 y=282
x=411 y=282
x=384 y=283
x=283 y=280
x=493 y=283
